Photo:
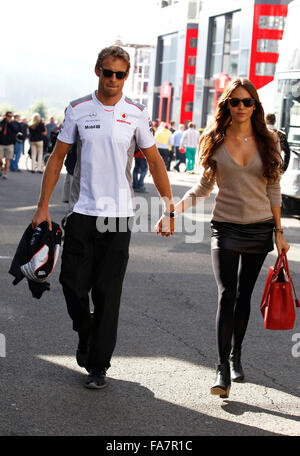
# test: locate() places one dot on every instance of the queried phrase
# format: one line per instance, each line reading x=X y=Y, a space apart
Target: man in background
x=8 y=131
x=179 y=152
x=190 y=141
x=164 y=143
x=284 y=145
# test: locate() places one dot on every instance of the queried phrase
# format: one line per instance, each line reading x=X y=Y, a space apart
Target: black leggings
x=235 y=274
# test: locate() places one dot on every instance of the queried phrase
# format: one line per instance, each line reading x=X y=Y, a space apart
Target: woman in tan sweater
x=241 y=156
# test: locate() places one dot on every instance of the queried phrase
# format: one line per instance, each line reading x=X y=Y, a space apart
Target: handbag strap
x=274 y=275
x=286 y=268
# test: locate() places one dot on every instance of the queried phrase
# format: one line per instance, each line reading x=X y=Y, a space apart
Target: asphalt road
x=164 y=361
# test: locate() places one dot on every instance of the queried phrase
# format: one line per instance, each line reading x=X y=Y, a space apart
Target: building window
x=189 y=106
x=265 y=69
x=265 y=45
x=145 y=87
x=193 y=9
x=243 y=62
x=225 y=44
x=193 y=42
x=235 y=45
x=190 y=79
x=272 y=22
x=192 y=60
x=169 y=59
x=218 y=25
x=146 y=71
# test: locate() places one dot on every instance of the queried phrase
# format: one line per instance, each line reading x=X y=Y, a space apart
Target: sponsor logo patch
x=123 y=119
x=40 y=273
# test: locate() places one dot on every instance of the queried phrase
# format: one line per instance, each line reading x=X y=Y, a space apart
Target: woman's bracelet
x=278 y=230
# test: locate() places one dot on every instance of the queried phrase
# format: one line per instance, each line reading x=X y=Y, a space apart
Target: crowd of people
x=14 y=131
x=175 y=145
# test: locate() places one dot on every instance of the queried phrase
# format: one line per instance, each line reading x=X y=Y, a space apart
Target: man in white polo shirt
x=106 y=126
x=190 y=140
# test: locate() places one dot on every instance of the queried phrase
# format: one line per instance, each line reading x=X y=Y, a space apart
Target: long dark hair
x=213 y=135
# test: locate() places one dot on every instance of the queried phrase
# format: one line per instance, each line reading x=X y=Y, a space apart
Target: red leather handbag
x=277 y=304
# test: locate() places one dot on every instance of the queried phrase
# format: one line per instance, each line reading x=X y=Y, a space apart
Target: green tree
x=40 y=107
x=4 y=107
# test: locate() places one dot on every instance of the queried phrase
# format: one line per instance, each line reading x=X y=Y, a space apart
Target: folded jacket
x=36 y=256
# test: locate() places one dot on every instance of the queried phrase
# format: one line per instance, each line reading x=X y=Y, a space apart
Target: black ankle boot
x=222 y=384
x=236 y=369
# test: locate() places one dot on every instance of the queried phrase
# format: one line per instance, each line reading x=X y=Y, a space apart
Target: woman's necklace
x=245 y=138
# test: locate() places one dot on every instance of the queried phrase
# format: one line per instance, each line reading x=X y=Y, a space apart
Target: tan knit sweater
x=244 y=194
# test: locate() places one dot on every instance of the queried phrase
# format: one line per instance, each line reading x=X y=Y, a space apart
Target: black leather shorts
x=244 y=238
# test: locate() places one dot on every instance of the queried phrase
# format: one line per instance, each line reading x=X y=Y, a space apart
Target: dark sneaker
x=96 y=379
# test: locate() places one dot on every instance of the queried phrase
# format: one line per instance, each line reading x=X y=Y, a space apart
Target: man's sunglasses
x=247 y=102
x=109 y=73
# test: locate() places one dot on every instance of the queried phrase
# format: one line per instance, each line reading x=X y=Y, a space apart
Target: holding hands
x=165 y=225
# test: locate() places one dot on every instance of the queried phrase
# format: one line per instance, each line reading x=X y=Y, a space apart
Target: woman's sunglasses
x=247 y=102
x=109 y=73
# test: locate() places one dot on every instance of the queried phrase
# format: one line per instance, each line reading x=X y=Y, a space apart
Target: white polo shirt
x=106 y=138
x=190 y=138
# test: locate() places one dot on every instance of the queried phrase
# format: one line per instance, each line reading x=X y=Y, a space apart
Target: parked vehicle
x=287 y=105
x=290 y=184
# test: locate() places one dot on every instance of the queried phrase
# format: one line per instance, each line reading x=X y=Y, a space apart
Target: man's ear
x=97 y=71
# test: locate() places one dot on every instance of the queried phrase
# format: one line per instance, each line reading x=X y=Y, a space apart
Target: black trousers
x=236 y=274
x=166 y=157
x=95 y=261
x=180 y=158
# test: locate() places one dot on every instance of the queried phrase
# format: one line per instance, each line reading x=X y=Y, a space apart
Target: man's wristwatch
x=172 y=214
